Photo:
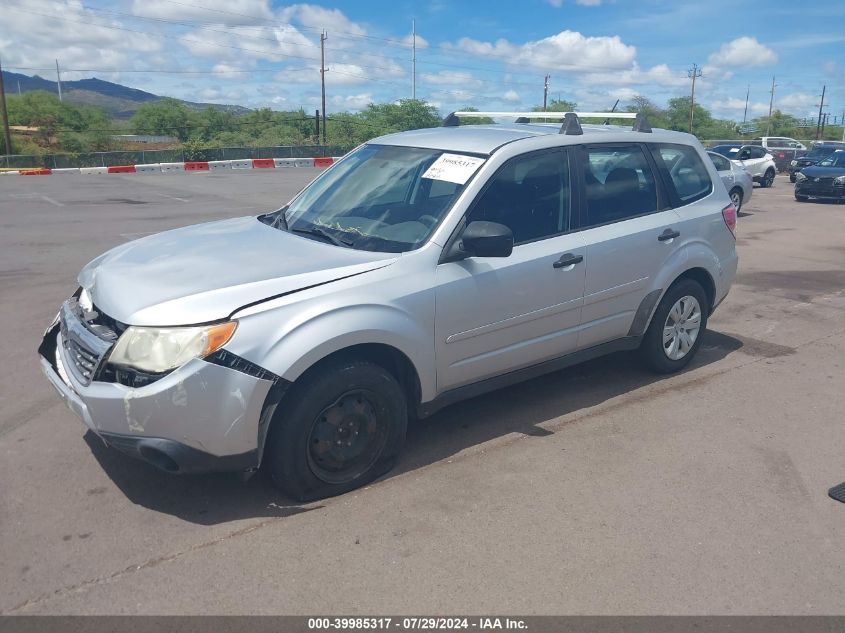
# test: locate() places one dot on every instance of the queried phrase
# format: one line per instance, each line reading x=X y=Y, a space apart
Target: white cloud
x=588 y=3
x=451 y=78
x=511 y=96
x=314 y=17
x=660 y=75
x=422 y=43
x=567 y=49
x=555 y=3
x=352 y=102
x=797 y=102
x=743 y=51
x=229 y=12
x=36 y=34
x=733 y=107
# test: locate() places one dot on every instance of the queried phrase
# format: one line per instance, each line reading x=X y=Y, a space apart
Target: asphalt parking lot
x=599 y=489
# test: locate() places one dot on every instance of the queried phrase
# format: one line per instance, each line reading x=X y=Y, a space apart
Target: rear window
x=687 y=173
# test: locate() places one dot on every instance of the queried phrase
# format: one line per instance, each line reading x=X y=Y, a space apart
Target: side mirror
x=487 y=239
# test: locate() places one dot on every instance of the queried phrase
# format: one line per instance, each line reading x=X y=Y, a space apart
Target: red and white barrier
x=212 y=165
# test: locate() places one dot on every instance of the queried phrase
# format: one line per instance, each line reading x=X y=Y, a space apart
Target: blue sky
x=491 y=55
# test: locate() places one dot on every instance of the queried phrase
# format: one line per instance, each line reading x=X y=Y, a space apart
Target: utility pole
x=747 y=94
x=414 y=59
x=7 y=137
x=323 y=38
x=545 y=91
x=317 y=125
x=58 y=80
x=819 y=121
x=771 y=103
x=842 y=123
x=692 y=73
x=824 y=122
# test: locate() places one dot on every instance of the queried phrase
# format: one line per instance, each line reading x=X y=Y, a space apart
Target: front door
x=495 y=315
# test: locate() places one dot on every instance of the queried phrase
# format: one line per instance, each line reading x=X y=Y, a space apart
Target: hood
x=817 y=171
x=206 y=272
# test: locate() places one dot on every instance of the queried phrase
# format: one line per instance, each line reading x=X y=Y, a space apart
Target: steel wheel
x=682 y=327
x=346 y=438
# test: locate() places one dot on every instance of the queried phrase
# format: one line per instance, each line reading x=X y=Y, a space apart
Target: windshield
x=381 y=197
x=726 y=150
x=837 y=159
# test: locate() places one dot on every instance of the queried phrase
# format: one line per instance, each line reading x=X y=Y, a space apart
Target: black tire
x=300 y=453
x=801 y=198
x=792 y=178
x=651 y=350
x=736 y=193
x=768 y=178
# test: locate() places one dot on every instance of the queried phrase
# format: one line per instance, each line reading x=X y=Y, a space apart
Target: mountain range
x=118 y=100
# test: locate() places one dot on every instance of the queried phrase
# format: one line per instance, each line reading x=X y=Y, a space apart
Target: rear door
x=629 y=230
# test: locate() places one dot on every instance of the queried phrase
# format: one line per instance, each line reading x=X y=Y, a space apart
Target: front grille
x=84 y=348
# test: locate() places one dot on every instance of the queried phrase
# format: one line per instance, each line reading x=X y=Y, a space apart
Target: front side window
x=619 y=184
x=758 y=152
x=687 y=173
x=529 y=195
x=381 y=198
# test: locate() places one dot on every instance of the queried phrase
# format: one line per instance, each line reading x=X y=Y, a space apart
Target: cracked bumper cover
x=202 y=417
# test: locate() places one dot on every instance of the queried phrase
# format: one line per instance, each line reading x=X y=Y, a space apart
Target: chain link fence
x=108 y=159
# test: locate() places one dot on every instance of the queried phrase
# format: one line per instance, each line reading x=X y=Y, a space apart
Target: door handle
x=568 y=260
x=668 y=234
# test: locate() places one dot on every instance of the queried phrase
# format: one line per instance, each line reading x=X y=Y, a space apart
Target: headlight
x=839 y=180
x=793 y=162
x=157 y=350
x=799 y=177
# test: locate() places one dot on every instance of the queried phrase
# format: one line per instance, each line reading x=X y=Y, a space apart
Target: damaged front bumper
x=202 y=417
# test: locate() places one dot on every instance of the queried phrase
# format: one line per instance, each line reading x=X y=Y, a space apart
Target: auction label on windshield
x=453 y=168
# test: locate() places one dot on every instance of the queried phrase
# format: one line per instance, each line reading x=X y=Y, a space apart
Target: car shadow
x=521 y=408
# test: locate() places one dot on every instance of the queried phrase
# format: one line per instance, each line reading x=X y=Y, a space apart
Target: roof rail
x=571 y=120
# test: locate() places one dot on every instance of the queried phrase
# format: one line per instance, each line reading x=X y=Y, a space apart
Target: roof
x=484 y=139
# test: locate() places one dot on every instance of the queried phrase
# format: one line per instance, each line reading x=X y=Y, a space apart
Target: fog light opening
x=159 y=459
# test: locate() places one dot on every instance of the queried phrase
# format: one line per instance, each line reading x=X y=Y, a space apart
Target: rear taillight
x=729 y=215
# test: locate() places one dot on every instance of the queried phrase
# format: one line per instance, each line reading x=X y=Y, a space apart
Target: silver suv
x=423 y=268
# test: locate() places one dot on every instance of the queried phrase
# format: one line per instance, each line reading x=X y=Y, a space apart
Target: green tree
x=656 y=115
x=168 y=117
x=557 y=105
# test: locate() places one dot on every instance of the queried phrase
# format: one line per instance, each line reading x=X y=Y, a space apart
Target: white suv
x=423 y=268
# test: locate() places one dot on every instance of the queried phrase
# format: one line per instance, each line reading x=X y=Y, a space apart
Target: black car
x=825 y=180
x=816 y=154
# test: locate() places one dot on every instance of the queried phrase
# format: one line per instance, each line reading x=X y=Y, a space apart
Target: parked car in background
x=754 y=158
x=735 y=178
x=824 y=180
x=783 y=149
x=820 y=150
x=424 y=267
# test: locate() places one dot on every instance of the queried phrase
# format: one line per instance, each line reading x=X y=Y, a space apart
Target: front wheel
x=336 y=430
x=675 y=332
x=736 y=198
x=801 y=198
x=769 y=178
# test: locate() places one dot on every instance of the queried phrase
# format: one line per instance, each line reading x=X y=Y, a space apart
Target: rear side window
x=687 y=174
x=619 y=184
x=721 y=163
x=757 y=152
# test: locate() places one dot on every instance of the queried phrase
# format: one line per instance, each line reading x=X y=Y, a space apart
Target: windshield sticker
x=453 y=168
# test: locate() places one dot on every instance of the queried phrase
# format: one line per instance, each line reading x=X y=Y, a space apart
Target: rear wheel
x=736 y=198
x=337 y=430
x=801 y=198
x=768 y=178
x=675 y=332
